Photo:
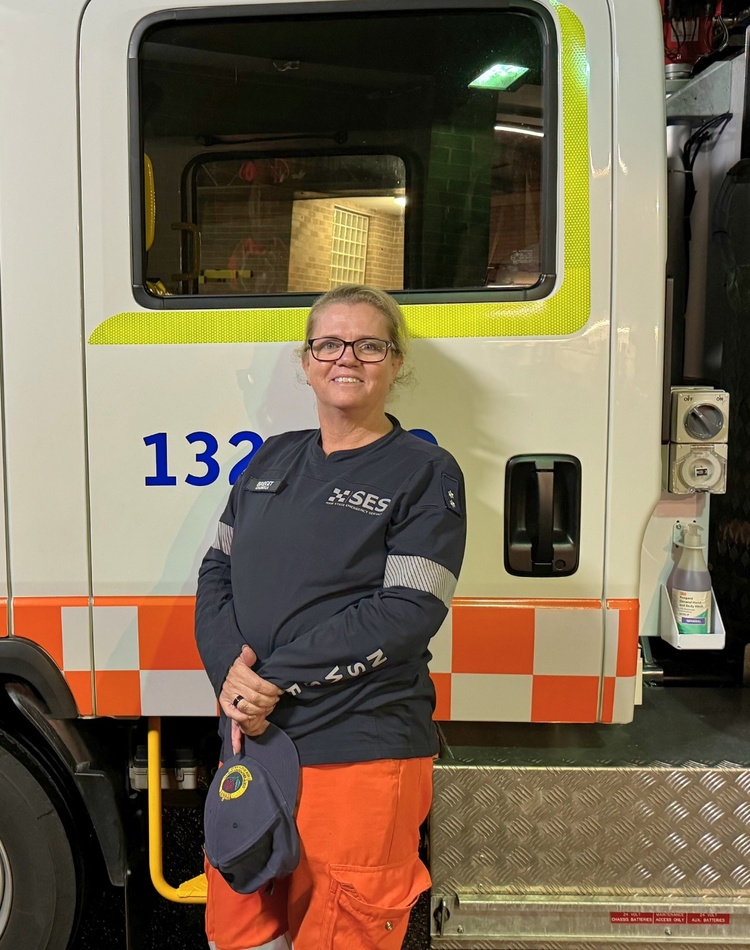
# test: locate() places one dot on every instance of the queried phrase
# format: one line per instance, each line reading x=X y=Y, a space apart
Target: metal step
x=546 y=836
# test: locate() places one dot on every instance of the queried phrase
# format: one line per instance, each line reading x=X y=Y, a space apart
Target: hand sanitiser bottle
x=689 y=585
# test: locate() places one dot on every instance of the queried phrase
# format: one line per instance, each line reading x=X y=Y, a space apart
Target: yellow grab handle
x=194 y=890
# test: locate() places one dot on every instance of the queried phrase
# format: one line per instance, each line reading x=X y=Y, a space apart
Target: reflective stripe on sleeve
x=419 y=573
x=223 y=541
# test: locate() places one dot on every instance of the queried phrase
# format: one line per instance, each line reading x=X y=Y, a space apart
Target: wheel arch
x=25 y=661
x=41 y=710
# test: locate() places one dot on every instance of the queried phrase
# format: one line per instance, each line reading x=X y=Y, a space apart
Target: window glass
x=291 y=153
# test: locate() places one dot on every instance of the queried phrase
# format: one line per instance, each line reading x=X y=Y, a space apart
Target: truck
x=177 y=184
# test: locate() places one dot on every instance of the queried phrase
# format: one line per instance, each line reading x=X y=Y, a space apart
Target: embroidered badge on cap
x=235 y=782
x=452 y=494
x=270 y=485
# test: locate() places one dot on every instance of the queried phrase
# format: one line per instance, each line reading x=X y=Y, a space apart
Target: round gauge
x=704 y=422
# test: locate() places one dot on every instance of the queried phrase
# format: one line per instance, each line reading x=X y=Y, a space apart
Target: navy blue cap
x=250 y=833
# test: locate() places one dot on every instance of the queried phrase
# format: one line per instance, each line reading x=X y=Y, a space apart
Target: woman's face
x=347 y=384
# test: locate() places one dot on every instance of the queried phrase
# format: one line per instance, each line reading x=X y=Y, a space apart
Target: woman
x=334 y=564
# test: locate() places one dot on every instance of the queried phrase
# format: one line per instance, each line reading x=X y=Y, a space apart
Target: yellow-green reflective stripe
x=565 y=311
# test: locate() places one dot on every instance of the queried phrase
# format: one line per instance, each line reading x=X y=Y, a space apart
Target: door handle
x=542 y=515
x=545 y=493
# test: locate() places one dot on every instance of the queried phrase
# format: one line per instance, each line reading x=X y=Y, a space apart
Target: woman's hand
x=257 y=698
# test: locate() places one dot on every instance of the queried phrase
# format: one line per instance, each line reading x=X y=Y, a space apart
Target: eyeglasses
x=328 y=349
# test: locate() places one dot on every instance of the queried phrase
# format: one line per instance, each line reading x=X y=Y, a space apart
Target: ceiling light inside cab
x=519 y=130
x=499 y=76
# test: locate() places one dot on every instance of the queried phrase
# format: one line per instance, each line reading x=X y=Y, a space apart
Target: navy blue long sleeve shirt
x=337 y=571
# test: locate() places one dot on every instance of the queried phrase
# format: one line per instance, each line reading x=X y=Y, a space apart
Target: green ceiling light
x=499 y=76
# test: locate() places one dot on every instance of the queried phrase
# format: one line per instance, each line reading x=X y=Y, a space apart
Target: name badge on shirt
x=271 y=486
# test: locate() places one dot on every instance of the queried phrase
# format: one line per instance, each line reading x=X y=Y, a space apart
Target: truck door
x=237 y=160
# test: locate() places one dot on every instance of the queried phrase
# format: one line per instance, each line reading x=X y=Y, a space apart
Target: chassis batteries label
x=666 y=917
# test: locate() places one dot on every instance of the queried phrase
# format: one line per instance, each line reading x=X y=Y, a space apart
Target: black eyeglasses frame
x=352 y=344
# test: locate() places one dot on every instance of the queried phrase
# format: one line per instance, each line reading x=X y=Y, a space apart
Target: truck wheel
x=38 y=881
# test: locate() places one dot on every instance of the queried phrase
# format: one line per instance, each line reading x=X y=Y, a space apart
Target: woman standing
x=334 y=564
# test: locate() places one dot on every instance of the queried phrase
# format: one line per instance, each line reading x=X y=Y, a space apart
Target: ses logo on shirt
x=360 y=500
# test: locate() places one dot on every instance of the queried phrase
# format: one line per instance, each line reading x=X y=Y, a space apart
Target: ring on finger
x=237 y=700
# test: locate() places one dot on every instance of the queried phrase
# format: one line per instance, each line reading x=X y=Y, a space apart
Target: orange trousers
x=359 y=873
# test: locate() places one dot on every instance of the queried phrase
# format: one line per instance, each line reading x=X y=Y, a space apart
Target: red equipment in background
x=689 y=30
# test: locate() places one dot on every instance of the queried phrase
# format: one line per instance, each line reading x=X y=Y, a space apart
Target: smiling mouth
x=346 y=379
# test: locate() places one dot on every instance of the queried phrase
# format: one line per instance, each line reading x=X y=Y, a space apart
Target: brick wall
x=311 y=238
x=310 y=251
x=456 y=221
x=385 y=251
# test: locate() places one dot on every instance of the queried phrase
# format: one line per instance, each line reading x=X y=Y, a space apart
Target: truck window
x=409 y=149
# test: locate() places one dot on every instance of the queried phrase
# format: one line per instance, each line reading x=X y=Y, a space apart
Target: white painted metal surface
x=41 y=310
x=486 y=400
x=594 y=395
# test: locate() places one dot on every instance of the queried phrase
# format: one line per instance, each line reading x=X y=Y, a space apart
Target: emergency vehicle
x=177 y=184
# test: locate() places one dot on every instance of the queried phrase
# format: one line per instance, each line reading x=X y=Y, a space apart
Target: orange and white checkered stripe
x=145 y=661
x=493 y=660
x=537 y=661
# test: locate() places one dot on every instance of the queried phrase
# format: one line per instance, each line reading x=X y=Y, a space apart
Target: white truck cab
x=177 y=185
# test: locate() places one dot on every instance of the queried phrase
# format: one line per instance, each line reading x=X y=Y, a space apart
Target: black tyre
x=38 y=880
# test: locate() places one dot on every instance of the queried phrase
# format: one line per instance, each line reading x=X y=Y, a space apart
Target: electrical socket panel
x=697 y=468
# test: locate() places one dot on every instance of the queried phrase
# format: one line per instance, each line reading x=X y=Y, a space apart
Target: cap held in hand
x=250 y=833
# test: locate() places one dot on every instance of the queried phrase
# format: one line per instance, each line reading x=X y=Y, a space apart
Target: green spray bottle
x=689 y=585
